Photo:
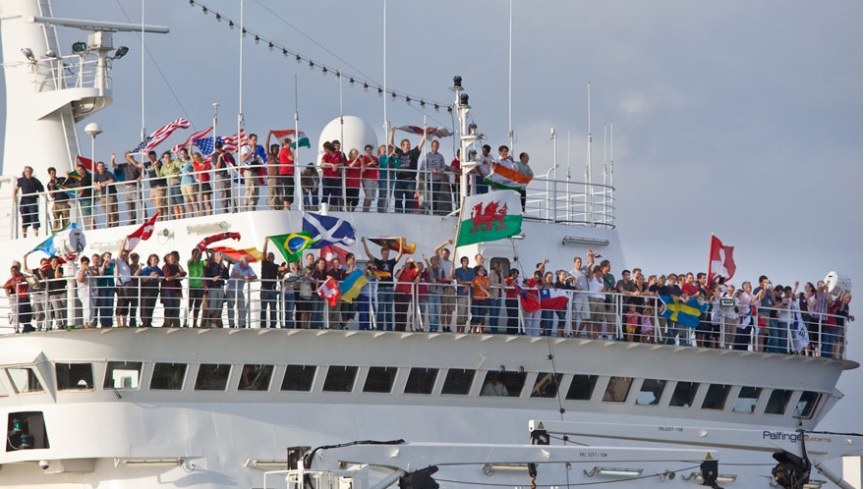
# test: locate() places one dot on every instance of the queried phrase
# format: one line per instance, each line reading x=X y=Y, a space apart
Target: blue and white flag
x=328 y=230
x=205 y=145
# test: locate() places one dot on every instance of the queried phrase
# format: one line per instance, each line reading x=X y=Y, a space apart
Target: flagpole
x=710 y=244
x=298 y=191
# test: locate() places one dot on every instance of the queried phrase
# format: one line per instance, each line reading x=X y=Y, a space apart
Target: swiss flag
x=329 y=291
x=720 y=263
x=330 y=252
x=142 y=233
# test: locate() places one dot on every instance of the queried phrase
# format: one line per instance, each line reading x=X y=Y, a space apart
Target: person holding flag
x=384 y=268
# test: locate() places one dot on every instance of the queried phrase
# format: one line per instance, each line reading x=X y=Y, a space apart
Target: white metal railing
x=417 y=307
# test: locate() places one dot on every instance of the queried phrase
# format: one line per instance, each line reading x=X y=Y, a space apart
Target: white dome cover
x=354 y=132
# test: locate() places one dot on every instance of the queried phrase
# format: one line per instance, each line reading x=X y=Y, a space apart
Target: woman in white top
x=85 y=280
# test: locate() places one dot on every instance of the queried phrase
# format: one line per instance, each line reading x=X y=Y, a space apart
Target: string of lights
x=353 y=79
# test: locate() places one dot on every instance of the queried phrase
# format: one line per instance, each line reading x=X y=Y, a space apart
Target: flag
x=392 y=242
x=141 y=234
x=72 y=192
x=330 y=252
x=230 y=143
x=291 y=245
x=299 y=140
x=440 y=132
x=530 y=301
x=328 y=230
x=86 y=162
x=683 y=313
x=494 y=215
x=350 y=287
x=506 y=175
x=553 y=299
x=234 y=255
x=73 y=175
x=205 y=145
x=329 y=291
x=159 y=135
x=721 y=263
x=217 y=237
x=191 y=139
x=46 y=246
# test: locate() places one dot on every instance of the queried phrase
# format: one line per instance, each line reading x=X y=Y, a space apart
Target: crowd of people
x=433 y=294
x=189 y=184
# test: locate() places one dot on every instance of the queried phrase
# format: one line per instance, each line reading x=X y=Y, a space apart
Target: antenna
x=510 y=83
x=384 y=98
x=589 y=163
x=143 y=125
x=298 y=191
x=568 y=154
x=240 y=103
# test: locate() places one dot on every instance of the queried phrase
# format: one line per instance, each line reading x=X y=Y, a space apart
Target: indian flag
x=507 y=175
x=299 y=137
x=489 y=217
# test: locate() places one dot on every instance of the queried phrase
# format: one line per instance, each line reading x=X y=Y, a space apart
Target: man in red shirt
x=18 y=292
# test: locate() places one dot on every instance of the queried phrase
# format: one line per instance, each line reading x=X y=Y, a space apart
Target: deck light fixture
x=121 y=51
x=209 y=227
x=28 y=53
x=578 y=240
x=613 y=472
x=79 y=47
x=457 y=82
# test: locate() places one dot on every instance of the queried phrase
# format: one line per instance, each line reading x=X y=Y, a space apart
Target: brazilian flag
x=292 y=245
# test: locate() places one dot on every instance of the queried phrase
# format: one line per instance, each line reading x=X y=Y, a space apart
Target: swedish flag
x=292 y=245
x=683 y=313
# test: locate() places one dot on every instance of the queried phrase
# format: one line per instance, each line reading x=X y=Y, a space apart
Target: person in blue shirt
x=464 y=277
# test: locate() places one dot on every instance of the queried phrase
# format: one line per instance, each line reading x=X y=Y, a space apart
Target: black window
x=122 y=375
x=503 y=384
x=778 y=401
x=617 y=389
x=684 y=394
x=458 y=381
x=806 y=404
x=421 y=380
x=340 y=379
x=747 y=399
x=546 y=385
x=255 y=377
x=299 y=378
x=581 y=387
x=716 y=396
x=74 y=376
x=650 y=392
x=212 y=377
x=168 y=376
x=380 y=379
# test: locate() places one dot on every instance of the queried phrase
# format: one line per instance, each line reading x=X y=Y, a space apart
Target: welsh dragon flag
x=489 y=217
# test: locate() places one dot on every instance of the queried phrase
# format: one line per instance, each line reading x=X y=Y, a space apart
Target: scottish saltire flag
x=161 y=134
x=489 y=217
x=506 y=175
x=328 y=230
x=191 y=139
x=683 y=313
x=298 y=138
x=350 y=288
x=291 y=245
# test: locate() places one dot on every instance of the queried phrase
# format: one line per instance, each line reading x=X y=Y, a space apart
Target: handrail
x=412 y=307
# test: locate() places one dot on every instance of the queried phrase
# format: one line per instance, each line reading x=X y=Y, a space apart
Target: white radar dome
x=351 y=131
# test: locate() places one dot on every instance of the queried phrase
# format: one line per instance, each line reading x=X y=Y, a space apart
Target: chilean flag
x=142 y=233
x=553 y=299
x=530 y=301
x=329 y=291
x=720 y=263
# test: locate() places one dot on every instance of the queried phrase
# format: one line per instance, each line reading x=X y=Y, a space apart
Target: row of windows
x=300 y=378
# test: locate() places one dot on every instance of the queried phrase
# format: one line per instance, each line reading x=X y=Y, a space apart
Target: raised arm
x=422 y=141
x=392 y=135
x=590 y=258
x=399 y=255
x=441 y=246
x=366 y=249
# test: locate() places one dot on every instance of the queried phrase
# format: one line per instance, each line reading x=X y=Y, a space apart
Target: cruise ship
x=150 y=407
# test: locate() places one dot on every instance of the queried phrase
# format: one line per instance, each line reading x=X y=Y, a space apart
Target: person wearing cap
x=131 y=187
x=158 y=186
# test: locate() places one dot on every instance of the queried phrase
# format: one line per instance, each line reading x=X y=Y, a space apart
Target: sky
x=742 y=119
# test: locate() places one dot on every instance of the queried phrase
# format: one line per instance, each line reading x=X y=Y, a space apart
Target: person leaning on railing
x=29 y=187
x=215 y=275
x=39 y=291
x=203 y=177
x=151 y=276
x=131 y=186
x=18 y=292
x=60 y=210
x=158 y=187
x=172 y=291
x=104 y=186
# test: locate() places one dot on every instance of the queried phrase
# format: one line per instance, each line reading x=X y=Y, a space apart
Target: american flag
x=161 y=134
x=230 y=142
x=205 y=145
x=195 y=135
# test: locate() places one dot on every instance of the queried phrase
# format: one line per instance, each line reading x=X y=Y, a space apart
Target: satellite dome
x=352 y=132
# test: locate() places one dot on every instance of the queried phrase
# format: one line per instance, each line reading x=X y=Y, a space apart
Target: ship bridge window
x=74 y=376
x=380 y=379
x=122 y=375
x=546 y=385
x=421 y=380
x=458 y=381
x=168 y=376
x=747 y=399
x=715 y=398
x=806 y=405
x=340 y=378
x=212 y=377
x=617 y=389
x=684 y=394
x=503 y=384
x=650 y=392
x=255 y=377
x=299 y=378
x=581 y=387
x=778 y=401
x=24 y=380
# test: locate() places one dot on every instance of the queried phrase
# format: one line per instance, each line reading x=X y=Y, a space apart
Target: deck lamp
x=121 y=51
x=28 y=53
x=79 y=47
x=457 y=81
x=463 y=99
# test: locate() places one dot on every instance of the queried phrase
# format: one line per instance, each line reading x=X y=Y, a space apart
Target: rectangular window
x=340 y=379
x=74 y=376
x=582 y=387
x=299 y=378
x=122 y=375
x=546 y=385
x=778 y=401
x=716 y=396
x=421 y=380
x=617 y=389
x=458 y=381
x=255 y=377
x=168 y=376
x=747 y=399
x=503 y=384
x=24 y=380
x=380 y=379
x=806 y=405
x=212 y=377
x=684 y=394
x=650 y=392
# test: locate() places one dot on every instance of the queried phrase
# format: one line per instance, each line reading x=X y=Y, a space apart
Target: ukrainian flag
x=683 y=313
x=349 y=289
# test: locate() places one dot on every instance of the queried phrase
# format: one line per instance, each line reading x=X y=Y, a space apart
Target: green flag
x=292 y=245
x=488 y=217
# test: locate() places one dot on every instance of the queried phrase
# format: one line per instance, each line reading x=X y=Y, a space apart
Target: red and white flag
x=230 y=143
x=195 y=135
x=161 y=134
x=330 y=252
x=329 y=291
x=141 y=234
x=720 y=263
